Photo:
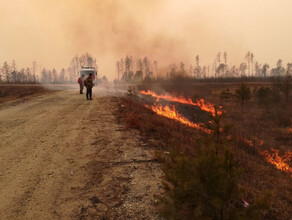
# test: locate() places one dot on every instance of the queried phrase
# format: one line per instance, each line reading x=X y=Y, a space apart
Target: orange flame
x=171 y=113
x=254 y=142
x=280 y=163
x=200 y=103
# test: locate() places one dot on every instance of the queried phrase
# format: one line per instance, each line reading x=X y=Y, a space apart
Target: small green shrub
x=264 y=95
x=243 y=93
x=205 y=187
x=225 y=94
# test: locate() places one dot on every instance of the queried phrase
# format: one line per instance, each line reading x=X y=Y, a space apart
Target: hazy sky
x=51 y=32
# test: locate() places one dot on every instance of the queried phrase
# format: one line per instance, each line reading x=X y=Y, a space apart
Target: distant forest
x=137 y=70
x=131 y=69
x=9 y=73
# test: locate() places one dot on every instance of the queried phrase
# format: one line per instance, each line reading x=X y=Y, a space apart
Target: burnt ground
x=192 y=113
x=272 y=124
x=257 y=176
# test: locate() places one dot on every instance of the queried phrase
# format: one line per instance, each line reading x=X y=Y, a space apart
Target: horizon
x=53 y=32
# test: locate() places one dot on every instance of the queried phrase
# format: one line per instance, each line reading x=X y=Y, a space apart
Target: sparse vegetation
x=187 y=148
x=20 y=92
x=206 y=187
x=264 y=95
x=9 y=74
x=225 y=94
x=243 y=93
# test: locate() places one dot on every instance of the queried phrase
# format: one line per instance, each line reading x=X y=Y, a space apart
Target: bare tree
x=197 y=70
x=62 y=76
x=289 y=69
x=155 y=63
x=225 y=62
x=265 y=70
x=204 y=72
x=219 y=58
x=191 y=70
x=118 y=65
x=6 y=69
x=242 y=69
x=1 y=75
x=122 y=65
x=54 y=76
x=279 y=70
x=34 y=66
x=173 y=70
x=247 y=57
x=146 y=64
x=182 y=69
x=140 y=68
x=258 y=69
x=251 y=62
x=214 y=69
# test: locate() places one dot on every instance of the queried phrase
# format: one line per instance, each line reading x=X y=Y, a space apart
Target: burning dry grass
x=162 y=132
x=171 y=112
x=258 y=175
x=181 y=99
x=279 y=162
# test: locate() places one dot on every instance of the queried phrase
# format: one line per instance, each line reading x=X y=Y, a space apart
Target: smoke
x=114 y=29
x=52 y=32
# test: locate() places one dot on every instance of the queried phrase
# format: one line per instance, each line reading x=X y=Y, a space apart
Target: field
x=273 y=125
x=69 y=158
x=18 y=92
x=260 y=135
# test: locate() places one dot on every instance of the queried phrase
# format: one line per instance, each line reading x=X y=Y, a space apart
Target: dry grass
x=10 y=92
x=161 y=132
x=258 y=176
x=252 y=120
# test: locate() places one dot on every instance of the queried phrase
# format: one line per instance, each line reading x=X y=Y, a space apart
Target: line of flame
x=281 y=163
x=272 y=158
x=172 y=113
x=181 y=99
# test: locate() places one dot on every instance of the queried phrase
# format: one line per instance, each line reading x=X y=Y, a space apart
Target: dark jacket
x=89 y=82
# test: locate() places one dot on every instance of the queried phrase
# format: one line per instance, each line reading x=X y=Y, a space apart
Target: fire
x=280 y=163
x=171 y=112
x=254 y=142
x=181 y=99
x=273 y=158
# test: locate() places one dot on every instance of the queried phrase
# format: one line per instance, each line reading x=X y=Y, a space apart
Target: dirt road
x=63 y=157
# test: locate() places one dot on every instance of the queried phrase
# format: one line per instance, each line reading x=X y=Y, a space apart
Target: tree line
x=131 y=69
x=9 y=73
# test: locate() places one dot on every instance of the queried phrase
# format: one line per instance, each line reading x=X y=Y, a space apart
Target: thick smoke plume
x=52 y=32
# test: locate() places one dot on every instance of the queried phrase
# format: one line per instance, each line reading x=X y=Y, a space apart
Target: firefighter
x=81 y=83
x=89 y=84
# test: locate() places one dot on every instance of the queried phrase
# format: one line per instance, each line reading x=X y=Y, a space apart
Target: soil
x=65 y=157
x=20 y=93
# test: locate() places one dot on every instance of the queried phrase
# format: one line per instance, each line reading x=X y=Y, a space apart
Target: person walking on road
x=89 y=84
x=81 y=83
